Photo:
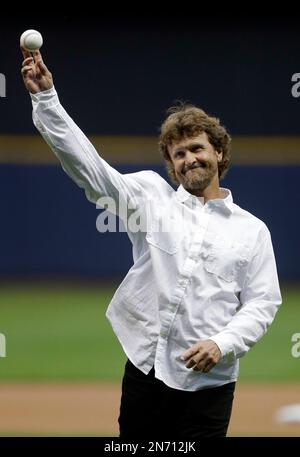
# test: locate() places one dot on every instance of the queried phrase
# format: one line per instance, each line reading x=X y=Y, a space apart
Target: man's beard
x=200 y=177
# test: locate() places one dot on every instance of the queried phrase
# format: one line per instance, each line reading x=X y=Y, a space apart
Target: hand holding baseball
x=36 y=75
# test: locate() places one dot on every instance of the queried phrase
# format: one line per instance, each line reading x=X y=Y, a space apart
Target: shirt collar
x=224 y=203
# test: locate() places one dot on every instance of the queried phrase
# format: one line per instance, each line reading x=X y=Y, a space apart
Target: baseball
x=31 y=40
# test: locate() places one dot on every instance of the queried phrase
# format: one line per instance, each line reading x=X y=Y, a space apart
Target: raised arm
x=77 y=155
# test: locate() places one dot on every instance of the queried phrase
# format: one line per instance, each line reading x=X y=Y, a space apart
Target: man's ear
x=219 y=156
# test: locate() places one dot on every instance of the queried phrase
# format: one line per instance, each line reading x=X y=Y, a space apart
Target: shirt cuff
x=45 y=99
x=224 y=344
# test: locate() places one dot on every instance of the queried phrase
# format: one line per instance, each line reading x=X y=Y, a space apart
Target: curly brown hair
x=185 y=121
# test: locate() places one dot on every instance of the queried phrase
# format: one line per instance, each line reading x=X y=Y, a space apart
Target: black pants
x=149 y=408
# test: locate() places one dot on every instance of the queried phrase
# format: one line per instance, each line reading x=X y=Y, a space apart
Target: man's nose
x=190 y=158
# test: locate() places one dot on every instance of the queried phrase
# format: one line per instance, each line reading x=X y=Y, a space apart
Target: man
x=200 y=294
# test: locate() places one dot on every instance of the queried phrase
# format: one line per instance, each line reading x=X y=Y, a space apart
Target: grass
x=56 y=333
x=271 y=358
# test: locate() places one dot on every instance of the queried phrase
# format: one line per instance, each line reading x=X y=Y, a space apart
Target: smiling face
x=183 y=128
x=195 y=163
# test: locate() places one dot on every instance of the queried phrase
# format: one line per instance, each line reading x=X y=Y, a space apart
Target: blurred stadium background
x=116 y=79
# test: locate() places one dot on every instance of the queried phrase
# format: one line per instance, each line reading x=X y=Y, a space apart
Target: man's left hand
x=202 y=356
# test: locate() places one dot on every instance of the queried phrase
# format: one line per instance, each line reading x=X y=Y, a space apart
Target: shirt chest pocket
x=225 y=259
x=165 y=233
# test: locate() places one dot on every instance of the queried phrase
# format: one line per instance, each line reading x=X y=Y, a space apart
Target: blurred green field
x=59 y=332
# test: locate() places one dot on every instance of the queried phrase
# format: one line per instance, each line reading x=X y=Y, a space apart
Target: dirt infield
x=92 y=409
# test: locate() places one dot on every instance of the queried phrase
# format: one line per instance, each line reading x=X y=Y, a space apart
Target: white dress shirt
x=211 y=276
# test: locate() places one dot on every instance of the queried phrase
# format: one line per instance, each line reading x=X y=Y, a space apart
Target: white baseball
x=31 y=40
